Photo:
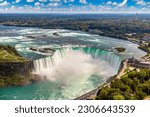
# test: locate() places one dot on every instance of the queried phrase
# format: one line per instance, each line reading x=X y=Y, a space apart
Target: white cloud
x=109 y=2
x=117 y=4
x=53 y=4
x=5 y=3
x=83 y=1
x=42 y=0
x=30 y=0
x=17 y=1
x=67 y=1
x=114 y=3
x=54 y=0
x=140 y=2
x=12 y=7
x=75 y=9
x=123 y=3
x=37 y=4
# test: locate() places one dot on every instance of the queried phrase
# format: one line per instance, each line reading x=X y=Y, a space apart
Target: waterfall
x=51 y=61
x=49 y=65
x=106 y=56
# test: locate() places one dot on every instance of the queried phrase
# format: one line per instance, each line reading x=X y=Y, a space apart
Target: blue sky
x=74 y=6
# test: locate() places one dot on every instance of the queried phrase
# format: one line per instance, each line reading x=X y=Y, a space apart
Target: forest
x=122 y=26
x=133 y=85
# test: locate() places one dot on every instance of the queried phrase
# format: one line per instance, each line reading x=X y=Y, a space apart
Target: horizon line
x=75 y=13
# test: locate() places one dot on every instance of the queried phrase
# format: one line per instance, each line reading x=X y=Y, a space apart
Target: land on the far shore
x=131 y=27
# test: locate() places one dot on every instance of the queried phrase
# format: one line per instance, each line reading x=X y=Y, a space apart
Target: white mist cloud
x=75 y=66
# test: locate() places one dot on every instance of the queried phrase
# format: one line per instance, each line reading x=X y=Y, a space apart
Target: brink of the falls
x=75 y=64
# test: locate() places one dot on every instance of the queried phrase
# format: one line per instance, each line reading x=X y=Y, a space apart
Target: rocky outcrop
x=11 y=68
x=16 y=74
x=14 y=69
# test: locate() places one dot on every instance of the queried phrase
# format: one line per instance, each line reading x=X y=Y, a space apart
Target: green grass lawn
x=9 y=54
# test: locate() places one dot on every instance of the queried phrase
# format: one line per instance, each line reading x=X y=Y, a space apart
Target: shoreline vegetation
x=133 y=85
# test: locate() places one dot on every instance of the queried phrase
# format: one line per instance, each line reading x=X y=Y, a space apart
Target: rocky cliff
x=14 y=69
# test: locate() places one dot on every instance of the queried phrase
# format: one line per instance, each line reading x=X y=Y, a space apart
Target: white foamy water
x=68 y=65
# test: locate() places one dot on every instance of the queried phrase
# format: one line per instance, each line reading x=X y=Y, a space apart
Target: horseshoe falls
x=66 y=60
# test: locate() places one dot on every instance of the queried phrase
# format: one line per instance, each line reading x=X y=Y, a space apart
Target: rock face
x=16 y=74
x=12 y=68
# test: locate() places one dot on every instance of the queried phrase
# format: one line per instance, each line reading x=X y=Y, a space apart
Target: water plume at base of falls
x=77 y=65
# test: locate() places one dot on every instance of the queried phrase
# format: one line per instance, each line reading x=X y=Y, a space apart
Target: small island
x=120 y=49
x=47 y=51
x=56 y=34
x=39 y=36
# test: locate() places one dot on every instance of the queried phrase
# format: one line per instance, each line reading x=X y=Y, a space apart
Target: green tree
x=103 y=94
x=140 y=95
x=146 y=87
x=118 y=97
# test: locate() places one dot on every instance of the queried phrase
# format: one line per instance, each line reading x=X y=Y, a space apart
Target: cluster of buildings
x=139 y=63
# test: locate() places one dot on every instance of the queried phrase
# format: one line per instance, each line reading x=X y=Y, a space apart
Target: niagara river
x=80 y=63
